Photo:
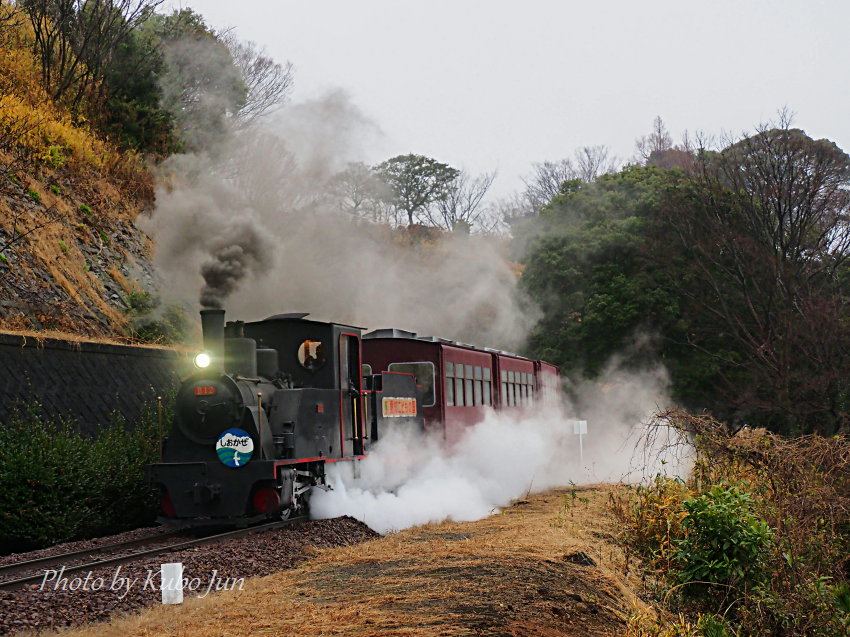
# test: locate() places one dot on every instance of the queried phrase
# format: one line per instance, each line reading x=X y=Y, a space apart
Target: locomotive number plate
x=398 y=407
x=204 y=390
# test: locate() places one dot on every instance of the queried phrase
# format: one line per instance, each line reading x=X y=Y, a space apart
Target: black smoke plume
x=243 y=252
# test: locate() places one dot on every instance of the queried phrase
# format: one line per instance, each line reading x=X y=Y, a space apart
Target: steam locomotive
x=272 y=402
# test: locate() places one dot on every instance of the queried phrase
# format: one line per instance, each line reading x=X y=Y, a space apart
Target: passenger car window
x=423 y=372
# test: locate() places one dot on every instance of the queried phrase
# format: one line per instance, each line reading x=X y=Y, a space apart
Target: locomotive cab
x=322 y=362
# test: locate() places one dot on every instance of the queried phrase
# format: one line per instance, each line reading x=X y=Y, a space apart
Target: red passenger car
x=459 y=382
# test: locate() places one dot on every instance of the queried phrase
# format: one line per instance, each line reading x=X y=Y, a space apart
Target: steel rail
x=123 y=559
x=14 y=567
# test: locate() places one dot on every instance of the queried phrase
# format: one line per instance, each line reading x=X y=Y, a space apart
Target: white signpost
x=172 y=583
x=580 y=430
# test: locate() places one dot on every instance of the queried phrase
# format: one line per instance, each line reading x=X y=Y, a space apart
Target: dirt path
x=546 y=566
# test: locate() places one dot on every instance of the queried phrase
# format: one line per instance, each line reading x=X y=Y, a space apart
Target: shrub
x=773 y=554
x=653 y=518
x=171 y=327
x=141 y=302
x=830 y=603
x=643 y=624
x=57 y=484
x=713 y=626
x=48 y=135
x=86 y=210
x=166 y=326
x=725 y=543
x=33 y=195
x=52 y=156
x=55 y=189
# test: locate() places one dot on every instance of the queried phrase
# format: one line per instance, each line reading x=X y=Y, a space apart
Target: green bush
x=141 y=302
x=54 y=156
x=713 y=626
x=171 y=326
x=725 y=544
x=151 y=323
x=828 y=606
x=57 y=484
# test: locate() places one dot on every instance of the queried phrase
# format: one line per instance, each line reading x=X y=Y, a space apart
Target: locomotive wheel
x=304 y=502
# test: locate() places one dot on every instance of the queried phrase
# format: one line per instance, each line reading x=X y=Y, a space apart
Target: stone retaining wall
x=87 y=381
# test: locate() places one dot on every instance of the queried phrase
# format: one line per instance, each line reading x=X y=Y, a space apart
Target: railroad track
x=45 y=563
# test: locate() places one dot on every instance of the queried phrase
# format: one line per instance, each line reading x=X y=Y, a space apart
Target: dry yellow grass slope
x=523 y=571
x=68 y=199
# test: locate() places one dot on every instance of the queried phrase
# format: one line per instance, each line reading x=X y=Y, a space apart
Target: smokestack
x=212 y=324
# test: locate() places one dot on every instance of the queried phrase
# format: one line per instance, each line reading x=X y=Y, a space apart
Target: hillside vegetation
x=70 y=256
x=727 y=262
x=755 y=542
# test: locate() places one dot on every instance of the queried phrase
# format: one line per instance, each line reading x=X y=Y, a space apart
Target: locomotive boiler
x=270 y=404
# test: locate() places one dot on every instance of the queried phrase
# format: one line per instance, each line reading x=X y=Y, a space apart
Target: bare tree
x=659 y=140
x=461 y=208
x=546 y=180
x=593 y=161
x=657 y=149
x=268 y=82
x=549 y=177
x=76 y=39
x=359 y=192
x=509 y=210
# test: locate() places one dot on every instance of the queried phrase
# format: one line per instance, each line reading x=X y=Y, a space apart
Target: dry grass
x=509 y=574
x=49 y=250
x=78 y=339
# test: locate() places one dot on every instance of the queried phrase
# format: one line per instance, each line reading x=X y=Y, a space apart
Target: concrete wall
x=87 y=381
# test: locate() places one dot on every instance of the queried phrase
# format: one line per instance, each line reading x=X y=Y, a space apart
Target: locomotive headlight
x=202 y=360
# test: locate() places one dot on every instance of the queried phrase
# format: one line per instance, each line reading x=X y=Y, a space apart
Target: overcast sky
x=497 y=85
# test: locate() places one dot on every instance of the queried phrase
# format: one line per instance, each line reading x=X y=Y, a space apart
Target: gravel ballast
x=52 y=604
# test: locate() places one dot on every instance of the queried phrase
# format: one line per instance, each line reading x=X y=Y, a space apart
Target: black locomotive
x=272 y=402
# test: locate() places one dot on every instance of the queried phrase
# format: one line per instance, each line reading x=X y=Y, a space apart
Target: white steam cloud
x=410 y=478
